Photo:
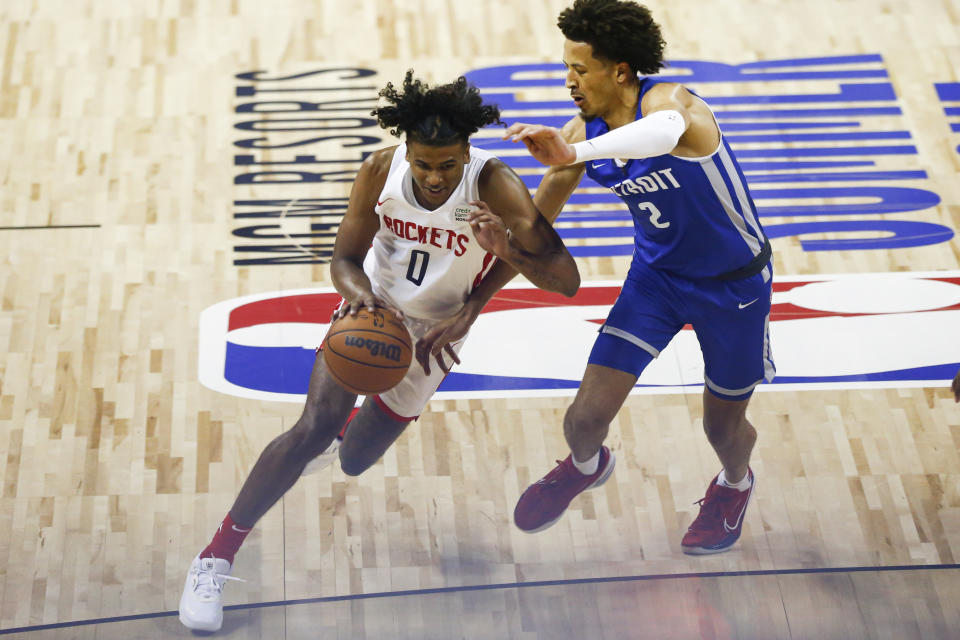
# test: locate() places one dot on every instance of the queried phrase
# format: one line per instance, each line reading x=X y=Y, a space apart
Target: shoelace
x=552 y=478
x=711 y=510
x=208 y=582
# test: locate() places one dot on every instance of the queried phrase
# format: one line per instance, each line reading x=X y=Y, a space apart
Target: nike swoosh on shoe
x=737 y=522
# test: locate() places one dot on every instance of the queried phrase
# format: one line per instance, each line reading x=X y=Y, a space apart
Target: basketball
x=368 y=353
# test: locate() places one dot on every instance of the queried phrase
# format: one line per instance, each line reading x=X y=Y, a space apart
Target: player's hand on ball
x=364 y=300
x=491 y=234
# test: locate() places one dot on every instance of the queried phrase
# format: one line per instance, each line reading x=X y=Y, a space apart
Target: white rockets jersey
x=424 y=262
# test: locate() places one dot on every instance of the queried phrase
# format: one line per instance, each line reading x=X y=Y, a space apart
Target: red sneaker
x=544 y=502
x=720 y=521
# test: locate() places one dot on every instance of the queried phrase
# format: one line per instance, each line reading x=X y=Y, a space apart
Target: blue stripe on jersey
x=692 y=217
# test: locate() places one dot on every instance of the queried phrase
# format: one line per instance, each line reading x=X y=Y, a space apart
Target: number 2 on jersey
x=654 y=215
x=418 y=265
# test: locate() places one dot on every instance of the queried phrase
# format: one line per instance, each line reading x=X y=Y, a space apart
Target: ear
x=623 y=72
x=466 y=154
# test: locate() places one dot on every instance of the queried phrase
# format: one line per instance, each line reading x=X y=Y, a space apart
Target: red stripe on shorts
x=390 y=412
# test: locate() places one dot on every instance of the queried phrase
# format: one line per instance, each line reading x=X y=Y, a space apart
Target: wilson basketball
x=368 y=353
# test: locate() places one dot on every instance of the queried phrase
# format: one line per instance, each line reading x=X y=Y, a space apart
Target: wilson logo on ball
x=375 y=347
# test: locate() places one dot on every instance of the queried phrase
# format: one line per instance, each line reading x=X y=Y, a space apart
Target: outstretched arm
x=650 y=136
x=673 y=121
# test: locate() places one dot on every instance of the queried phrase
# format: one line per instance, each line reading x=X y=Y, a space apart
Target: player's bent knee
x=353 y=465
x=722 y=431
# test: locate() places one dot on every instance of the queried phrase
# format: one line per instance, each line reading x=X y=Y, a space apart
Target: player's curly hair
x=618 y=30
x=437 y=116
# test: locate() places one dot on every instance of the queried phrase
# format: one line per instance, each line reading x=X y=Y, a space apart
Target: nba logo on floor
x=845 y=331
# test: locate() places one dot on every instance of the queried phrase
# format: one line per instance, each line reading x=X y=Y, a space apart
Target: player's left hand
x=440 y=338
x=491 y=234
x=956 y=387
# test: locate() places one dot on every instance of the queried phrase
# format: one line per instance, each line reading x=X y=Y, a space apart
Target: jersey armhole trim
x=703 y=159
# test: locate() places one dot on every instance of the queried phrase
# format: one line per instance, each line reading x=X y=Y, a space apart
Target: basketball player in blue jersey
x=700 y=257
x=425 y=220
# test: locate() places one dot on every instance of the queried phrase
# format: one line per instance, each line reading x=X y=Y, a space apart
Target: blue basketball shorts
x=730 y=318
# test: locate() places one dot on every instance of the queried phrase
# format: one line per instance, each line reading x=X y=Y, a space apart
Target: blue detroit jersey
x=692 y=216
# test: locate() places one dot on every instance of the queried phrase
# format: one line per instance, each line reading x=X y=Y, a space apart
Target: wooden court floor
x=118 y=184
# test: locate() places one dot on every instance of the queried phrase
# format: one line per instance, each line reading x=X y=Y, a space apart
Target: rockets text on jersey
x=426 y=262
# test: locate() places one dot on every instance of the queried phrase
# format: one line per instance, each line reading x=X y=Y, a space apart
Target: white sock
x=743 y=485
x=587 y=467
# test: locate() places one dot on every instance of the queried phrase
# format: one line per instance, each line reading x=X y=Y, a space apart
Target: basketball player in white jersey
x=449 y=225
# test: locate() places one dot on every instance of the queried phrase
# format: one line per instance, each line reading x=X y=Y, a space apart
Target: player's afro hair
x=437 y=116
x=618 y=31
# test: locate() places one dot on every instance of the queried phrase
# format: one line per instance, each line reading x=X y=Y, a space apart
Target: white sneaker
x=325 y=459
x=201 y=605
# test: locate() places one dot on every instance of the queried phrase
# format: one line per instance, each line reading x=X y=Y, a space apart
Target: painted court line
x=491 y=587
